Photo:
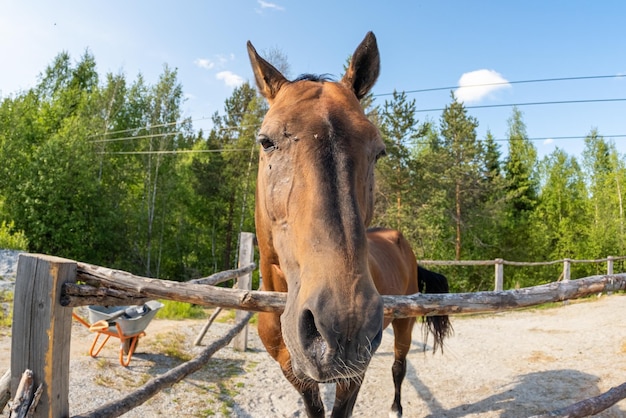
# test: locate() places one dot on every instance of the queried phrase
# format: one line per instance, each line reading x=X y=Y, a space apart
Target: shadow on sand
x=530 y=394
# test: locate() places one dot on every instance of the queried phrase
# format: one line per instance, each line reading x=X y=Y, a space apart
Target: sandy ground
x=513 y=364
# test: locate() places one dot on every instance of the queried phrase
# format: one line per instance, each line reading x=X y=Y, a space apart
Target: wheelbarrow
x=124 y=322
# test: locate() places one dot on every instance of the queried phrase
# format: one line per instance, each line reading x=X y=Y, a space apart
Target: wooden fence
x=47 y=288
x=499 y=264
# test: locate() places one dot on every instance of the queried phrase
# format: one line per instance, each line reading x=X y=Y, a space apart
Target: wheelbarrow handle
x=101 y=325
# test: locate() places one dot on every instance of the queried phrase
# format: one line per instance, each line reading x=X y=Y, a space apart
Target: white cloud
x=548 y=141
x=229 y=78
x=476 y=85
x=269 y=5
x=205 y=63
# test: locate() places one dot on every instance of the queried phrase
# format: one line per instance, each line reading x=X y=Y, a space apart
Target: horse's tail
x=438 y=325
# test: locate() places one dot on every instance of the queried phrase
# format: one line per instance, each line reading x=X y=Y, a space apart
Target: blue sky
x=423 y=44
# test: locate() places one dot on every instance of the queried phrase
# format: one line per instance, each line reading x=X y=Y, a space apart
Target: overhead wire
x=530 y=104
x=499 y=83
x=540 y=103
x=538 y=80
x=183 y=151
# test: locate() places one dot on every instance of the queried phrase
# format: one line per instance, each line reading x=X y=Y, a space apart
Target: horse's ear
x=364 y=67
x=268 y=79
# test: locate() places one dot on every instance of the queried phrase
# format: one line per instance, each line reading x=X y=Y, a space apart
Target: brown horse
x=314 y=201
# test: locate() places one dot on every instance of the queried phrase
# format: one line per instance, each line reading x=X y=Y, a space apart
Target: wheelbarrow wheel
x=127 y=344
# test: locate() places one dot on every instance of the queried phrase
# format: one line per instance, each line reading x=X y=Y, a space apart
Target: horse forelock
x=320 y=78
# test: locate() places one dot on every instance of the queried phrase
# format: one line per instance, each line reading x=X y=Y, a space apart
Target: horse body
x=314 y=201
x=395 y=272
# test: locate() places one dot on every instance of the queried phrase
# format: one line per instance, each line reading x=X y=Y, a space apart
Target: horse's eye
x=267 y=144
x=381 y=154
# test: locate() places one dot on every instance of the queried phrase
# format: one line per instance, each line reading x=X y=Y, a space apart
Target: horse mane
x=319 y=78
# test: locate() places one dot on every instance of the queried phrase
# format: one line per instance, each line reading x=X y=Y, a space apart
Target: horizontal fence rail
x=499 y=264
x=101 y=280
x=515 y=263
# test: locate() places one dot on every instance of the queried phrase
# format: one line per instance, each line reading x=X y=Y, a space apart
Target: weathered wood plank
x=226 y=275
x=481 y=302
x=5 y=389
x=244 y=282
x=395 y=306
x=101 y=296
x=41 y=330
x=142 y=287
x=591 y=406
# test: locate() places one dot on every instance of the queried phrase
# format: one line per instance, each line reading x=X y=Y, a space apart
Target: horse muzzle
x=331 y=342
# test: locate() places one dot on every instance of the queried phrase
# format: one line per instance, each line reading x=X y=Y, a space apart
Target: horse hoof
x=395 y=414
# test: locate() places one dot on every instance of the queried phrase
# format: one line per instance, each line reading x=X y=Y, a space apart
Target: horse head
x=314 y=201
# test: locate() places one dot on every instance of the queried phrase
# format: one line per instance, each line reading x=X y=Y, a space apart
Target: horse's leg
x=402 y=330
x=271 y=336
x=345 y=398
x=309 y=391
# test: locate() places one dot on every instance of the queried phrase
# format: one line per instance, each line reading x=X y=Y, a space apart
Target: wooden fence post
x=499 y=275
x=609 y=268
x=567 y=268
x=246 y=256
x=41 y=331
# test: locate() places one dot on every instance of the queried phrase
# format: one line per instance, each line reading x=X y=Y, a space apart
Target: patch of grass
x=104 y=380
x=180 y=310
x=226 y=317
x=6 y=308
x=171 y=344
x=226 y=396
x=251 y=366
x=205 y=413
x=103 y=364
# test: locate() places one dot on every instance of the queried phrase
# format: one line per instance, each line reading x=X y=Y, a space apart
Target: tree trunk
x=621 y=212
x=457 y=196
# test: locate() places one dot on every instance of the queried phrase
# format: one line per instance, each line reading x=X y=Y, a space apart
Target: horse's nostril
x=311 y=338
x=309 y=329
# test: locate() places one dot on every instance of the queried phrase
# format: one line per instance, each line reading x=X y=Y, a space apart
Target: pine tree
x=464 y=176
x=604 y=174
x=397 y=173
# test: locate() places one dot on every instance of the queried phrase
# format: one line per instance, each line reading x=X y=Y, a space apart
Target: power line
x=500 y=83
x=173 y=152
x=184 y=151
x=228 y=128
x=162 y=125
x=136 y=137
x=127 y=138
x=529 y=104
x=558 y=138
x=541 y=80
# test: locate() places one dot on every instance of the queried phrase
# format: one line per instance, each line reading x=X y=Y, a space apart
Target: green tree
x=226 y=180
x=398 y=174
x=464 y=175
x=605 y=176
x=521 y=198
x=520 y=167
x=161 y=132
x=561 y=216
x=48 y=179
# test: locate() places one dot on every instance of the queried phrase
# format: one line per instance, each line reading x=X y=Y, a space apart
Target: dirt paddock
x=508 y=365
